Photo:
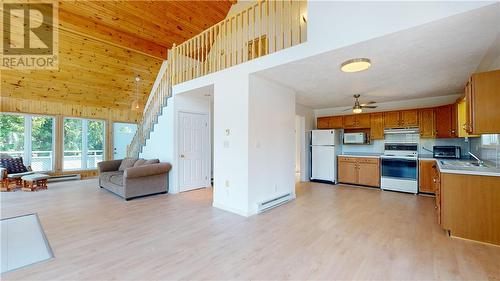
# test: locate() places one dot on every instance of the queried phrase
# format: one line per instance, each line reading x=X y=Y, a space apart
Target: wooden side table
x=34 y=182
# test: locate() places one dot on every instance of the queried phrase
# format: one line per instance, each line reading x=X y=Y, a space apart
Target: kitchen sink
x=460 y=163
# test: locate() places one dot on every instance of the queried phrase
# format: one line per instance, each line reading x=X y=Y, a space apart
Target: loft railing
x=264 y=27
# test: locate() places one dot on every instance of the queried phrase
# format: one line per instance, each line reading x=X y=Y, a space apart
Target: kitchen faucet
x=480 y=162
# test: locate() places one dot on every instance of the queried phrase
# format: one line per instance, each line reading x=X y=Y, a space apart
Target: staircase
x=262 y=28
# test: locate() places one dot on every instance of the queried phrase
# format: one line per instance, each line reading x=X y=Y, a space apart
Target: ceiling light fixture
x=357 y=109
x=355 y=65
x=135 y=103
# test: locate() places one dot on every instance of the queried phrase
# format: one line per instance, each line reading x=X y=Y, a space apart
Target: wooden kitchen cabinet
x=482 y=96
x=446 y=121
x=377 y=126
x=356 y=121
x=347 y=170
x=469 y=206
x=391 y=119
x=369 y=172
x=427 y=123
x=329 y=122
x=436 y=179
x=462 y=120
x=426 y=174
x=401 y=119
x=359 y=170
x=409 y=118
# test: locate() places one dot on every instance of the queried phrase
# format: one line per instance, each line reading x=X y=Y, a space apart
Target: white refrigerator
x=325 y=146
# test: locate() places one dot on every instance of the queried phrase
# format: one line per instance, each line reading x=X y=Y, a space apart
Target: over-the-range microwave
x=355 y=138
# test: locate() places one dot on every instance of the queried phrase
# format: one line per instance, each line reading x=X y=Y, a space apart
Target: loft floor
x=328 y=232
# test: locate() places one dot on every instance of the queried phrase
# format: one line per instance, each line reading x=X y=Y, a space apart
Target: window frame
x=84 y=157
x=28 y=141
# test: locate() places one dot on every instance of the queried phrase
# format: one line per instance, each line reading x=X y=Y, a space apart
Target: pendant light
x=135 y=103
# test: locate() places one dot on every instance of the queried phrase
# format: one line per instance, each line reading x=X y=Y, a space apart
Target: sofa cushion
x=151 y=161
x=139 y=162
x=13 y=165
x=106 y=176
x=116 y=179
x=127 y=163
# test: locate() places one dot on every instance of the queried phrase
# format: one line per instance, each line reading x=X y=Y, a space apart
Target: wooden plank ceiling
x=103 y=45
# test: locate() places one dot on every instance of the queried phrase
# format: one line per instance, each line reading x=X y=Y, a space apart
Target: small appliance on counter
x=355 y=138
x=324 y=151
x=447 y=151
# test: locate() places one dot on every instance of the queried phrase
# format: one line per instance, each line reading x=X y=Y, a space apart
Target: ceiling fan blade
x=369 y=106
x=370 y=102
x=347 y=109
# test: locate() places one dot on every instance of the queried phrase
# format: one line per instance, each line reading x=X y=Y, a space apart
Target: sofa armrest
x=147 y=170
x=109 y=166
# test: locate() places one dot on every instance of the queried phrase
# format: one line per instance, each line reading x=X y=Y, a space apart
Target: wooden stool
x=34 y=182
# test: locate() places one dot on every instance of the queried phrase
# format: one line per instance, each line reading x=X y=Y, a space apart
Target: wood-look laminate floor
x=328 y=232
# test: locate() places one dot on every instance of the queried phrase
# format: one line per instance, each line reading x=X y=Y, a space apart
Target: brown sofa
x=131 y=178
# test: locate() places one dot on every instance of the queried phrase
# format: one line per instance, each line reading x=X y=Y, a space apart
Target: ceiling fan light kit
x=355 y=65
x=358 y=108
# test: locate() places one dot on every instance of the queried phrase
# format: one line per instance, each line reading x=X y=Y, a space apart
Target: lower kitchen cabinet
x=426 y=176
x=347 y=170
x=468 y=206
x=359 y=170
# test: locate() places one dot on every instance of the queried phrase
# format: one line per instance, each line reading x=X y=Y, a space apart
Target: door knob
x=182 y=155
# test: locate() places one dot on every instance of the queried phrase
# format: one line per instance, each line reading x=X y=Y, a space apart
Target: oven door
x=399 y=168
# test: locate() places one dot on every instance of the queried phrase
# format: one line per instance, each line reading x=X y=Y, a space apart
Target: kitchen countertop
x=489 y=170
x=361 y=154
x=450 y=168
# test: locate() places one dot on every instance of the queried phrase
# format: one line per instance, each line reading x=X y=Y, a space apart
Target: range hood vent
x=402 y=131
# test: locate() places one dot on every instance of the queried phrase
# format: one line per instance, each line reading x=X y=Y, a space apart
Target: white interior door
x=122 y=137
x=194 y=145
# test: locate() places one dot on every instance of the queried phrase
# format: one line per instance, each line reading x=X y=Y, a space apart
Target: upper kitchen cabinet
x=357 y=121
x=482 y=94
x=330 y=122
x=446 y=121
x=409 y=118
x=377 y=126
x=462 y=120
x=399 y=119
x=427 y=123
x=392 y=119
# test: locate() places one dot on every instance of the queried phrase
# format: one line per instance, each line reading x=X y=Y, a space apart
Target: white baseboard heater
x=64 y=178
x=273 y=203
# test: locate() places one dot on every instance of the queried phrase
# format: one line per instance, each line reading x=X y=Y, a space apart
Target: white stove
x=399 y=170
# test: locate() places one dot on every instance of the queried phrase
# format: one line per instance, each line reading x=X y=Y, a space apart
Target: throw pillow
x=13 y=165
x=151 y=161
x=139 y=162
x=127 y=163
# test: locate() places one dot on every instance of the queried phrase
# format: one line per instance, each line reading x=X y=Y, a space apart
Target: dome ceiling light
x=355 y=65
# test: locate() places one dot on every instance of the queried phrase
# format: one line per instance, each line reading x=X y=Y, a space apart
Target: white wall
x=271 y=141
x=162 y=144
x=231 y=109
x=331 y=25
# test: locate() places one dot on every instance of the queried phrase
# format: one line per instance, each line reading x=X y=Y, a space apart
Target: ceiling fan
x=358 y=108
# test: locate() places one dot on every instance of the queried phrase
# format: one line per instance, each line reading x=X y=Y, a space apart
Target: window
x=83 y=143
x=42 y=156
x=487 y=140
x=30 y=137
x=12 y=135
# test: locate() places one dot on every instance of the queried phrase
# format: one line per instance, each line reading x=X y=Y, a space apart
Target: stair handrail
x=232 y=41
